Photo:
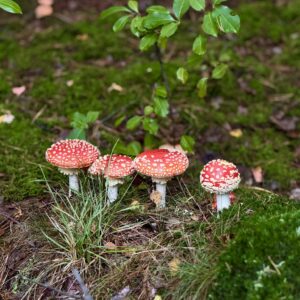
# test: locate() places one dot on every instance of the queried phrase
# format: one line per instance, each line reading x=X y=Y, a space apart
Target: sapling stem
x=223 y=202
x=73 y=184
x=161 y=187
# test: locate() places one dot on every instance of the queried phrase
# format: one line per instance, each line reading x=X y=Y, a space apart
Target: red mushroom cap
x=220 y=176
x=112 y=166
x=72 y=154
x=161 y=163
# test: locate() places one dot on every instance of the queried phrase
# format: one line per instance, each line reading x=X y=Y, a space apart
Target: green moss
x=262 y=261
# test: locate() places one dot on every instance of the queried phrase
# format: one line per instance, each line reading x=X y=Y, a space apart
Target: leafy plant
x=154 y=28
x=80 y=123
x=10 y=6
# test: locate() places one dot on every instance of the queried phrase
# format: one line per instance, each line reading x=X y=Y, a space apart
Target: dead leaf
x=257 y=174
x=237 y=133
x=110 y=245
x=174 y=265
x=155 y=197
x=82 y=37
x=157 y=297
x=69 y=83
x=43 y=11
x=115 y=87
x=7 y=118
x=195 y=218
x=285 y=123
x=18 y=90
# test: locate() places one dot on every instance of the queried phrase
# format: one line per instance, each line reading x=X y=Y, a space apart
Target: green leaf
x=161 y=91
x=157 y=19
x=187 y=143
x=227 y=21
x=119 y=121
x=209 y=25
x=133 y=122
x=113 y=10
x=136 y=26
x=182 y=75
x=148 y=110
x=197 y=5
x=134 y=148
x=148 y=41
x=219 y=71
x=161 y=107
x=121 y=23
x=180 y=7
x=77 y=133
x=202 y=87
x=194 y=59
x=92 y=116
x=150 y=125
x=10 y=6
x=79 y=121
x=217 y=2
x=168 y=30
x=133 y=5
x=199 y=45
x=157 y=9
x=150 y=141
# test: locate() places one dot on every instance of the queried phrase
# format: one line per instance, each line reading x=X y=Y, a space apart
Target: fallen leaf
x=157 y=297
x=7 y=118
x=195 y=218
x=19 y=90
x=174 y=265
x=286 y=123
x=257 y=174
x=70 y=83
x=110 y=245
x=155 y=197
x=115 y=87
x=82 y=37
x=237 y=133
x=43 y=11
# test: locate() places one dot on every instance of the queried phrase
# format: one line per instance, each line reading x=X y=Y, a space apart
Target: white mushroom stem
x=223 y=202
x=161 y=187
x=73 y=179
x=73 y=184
x=112 y=189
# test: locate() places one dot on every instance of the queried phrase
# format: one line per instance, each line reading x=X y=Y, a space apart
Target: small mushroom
x=161 y=165
x=70 y=156
x=220 y=177
x=114 y=168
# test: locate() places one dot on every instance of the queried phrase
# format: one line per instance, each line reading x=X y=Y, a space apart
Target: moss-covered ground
x=251 y=249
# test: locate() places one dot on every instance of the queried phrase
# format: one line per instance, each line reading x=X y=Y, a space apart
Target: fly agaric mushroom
x=220 y=177
x=70 y=156
x=161 y=165
x=114 y=168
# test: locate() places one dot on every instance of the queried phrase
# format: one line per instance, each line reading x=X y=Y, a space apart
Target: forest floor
x=72 y=63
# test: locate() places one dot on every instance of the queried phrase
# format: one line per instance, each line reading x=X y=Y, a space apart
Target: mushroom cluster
x=218 y=176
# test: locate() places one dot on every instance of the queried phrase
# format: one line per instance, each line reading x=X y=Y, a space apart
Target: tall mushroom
x=114 y=168
x=220 y=177
x=161 y=165
x=70 y=156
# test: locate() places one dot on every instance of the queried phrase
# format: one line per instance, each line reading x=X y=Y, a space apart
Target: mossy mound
x=262 y=262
